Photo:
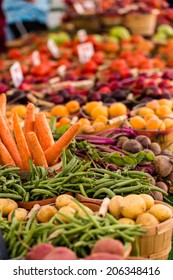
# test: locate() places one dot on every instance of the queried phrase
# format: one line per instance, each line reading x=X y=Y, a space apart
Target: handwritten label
x=36 y=58
x=85 y=52
x=82 y=35
x=53 y=48
x=16 y=74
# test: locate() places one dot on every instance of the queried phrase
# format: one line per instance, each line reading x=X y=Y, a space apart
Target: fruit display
x=86 y=141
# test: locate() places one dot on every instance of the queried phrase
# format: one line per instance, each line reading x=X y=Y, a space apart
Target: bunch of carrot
x=34 y=141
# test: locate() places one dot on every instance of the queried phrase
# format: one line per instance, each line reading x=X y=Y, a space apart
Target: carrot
x=5 y=157
x=43 y=131
x=8 y=141
x=29 y=118
x=3 y=102
x=21 y=143
x=54 y=152
x=36 y=149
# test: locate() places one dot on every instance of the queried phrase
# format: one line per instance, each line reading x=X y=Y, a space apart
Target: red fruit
x=90 y=66
x=104 y=90
x=61 y=253
x=98 y=57
x=108 y=245
x=14 y=53
x=118 y=64
x=115 y=85
x=103 y=256
x=38 y=252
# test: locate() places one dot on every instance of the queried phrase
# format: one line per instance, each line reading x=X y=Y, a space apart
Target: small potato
x=147 y=220
x=161 y=212
x=63 y=200
x=149 y=201
x=7 y=205
x=126 y=221
x=114 y=206
x=19 y=213
x=45 y=213
x=67 y=210
x=77 y=209
x=132 y=206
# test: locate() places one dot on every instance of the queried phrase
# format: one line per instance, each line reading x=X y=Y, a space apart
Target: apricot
x=155 y=124
x=163 y=111
x=98 y=126
x=154 y=104
x=73 y=106
x=99 y=111
x=166 y=102
x=117 y=109
x=19 y=109
x=83 y=121
x=149 y=116
x=64 y=120
x=144 y=111
x=91 y=105
x=168 y=123
x=102 y=119
x=59 y=110
x=137 y=122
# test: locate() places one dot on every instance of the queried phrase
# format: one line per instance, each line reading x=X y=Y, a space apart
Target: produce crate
x=156 y=243
x=141 y=24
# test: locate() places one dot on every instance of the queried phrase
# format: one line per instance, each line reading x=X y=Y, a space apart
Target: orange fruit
x=154 y=104
x=19 y=109
x=117 y=109
x=73 y=106
x=98 y=126
x=166 y=102
x=137 y=122
x=87 y=128
x=64 y=120
x=155 y=124
x=149 y=116
x=168 y=123
x=60 y=111
x=99 y=111
x=83 y=121
x=102 y=119
x=163 y=111
x=91 y=105
x=144 y=111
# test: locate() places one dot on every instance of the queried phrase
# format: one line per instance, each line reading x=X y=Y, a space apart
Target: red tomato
x=90 y=66
x=98 y=57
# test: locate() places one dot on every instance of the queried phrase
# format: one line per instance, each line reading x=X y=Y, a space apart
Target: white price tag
x=36 y=58
x=89 y=5
x=82 y=35
x=61 y=70
x=16 y=74
x=78 y=8
x=85 y=52
x=53 y=48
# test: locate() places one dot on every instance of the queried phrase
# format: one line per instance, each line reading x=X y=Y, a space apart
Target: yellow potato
x=161 y=212
x=149 y=201
x=19 y=213
x=126 y=221
x=146 y=220
x=132 y=206
x=63 y=200
x=45 y=213
x=114 y=206
x=77 y=208
x=7 y=205
x=67 y=210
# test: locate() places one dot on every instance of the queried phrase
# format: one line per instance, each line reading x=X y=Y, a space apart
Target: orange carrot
x=21 y=143
x=54 y=152
x=5 y=157
x=43 y=131
x=36 y=149
x=29 y=118
x=9 y=142
x=3 y=102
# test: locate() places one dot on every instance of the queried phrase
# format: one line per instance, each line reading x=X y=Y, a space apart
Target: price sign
x=85 y=52
x=82 y=35
x=16 y=74
x=36 y=58
x=53 y=48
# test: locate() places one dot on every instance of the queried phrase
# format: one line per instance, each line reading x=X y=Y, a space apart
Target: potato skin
x=7 y=205
x=45 y=213
x=149 y=201
x=19 y=213
x=63 y=200
x=161 y=212
x=114 y=206
x=126 y=221
x=67 y=210
x=146 y=220
x=132 y=206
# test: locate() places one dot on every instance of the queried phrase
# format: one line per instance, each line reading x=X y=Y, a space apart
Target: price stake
x=53 y=48
x=85 y=52
x=82 y=35
x=16 y=74
x=36 y=58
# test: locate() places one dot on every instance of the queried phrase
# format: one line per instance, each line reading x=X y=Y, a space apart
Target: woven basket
x=109 y=20
x=141 y=24
x=156 y=243
x=90 y=23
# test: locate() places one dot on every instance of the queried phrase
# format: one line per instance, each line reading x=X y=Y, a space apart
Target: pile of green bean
x=80 y=234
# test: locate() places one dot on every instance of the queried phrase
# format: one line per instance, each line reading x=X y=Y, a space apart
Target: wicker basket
x=90 y=23
x=141 y=24
x=109 y=20
x=156 y=243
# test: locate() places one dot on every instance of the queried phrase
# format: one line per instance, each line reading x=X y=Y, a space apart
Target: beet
x=38 y=252
x=155 y=147
x=162 y=186
x=147 y=151
x=61 y=253
x=163 y=165
x=143 y=140
x=157 y=195
x=167 y=153
x=121 y=140
x=132 y=146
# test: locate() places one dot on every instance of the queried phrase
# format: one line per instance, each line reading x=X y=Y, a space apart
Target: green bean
x=124 y=183
x=41 y=191
x=10 y=195
x=82 y=190
x=104 y=171
x=104 y=190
